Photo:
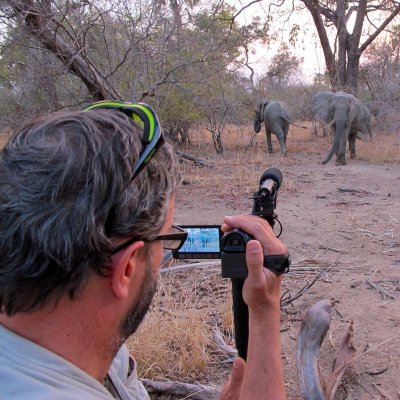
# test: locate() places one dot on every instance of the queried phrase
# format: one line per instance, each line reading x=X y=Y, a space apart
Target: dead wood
x=304 y=266
x=382 y=392
x=344 y=357
x=380 y=289
x=312 y=333
x=197 y=161
x=251 y=141
x=351 y=190
x=287 y=298
x=218 y=339
x=191 y=265
x=188 y=390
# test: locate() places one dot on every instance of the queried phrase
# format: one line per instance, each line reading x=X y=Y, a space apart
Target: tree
x=166 y=52
x=281 y=70
x=380 y=71
x=342 y=57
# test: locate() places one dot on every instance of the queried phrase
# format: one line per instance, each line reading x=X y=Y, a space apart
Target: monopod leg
x=241 y=317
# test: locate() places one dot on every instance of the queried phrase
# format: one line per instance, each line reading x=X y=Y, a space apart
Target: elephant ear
x=264 y=104
x=355 y=108
x=259 y=115
x=320 y=106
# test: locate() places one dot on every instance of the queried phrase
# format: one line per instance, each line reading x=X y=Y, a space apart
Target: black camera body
x=233 y=254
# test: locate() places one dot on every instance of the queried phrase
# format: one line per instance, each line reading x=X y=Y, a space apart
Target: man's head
x=66 y=197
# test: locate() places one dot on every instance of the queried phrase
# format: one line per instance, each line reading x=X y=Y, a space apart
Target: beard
x=138 y=311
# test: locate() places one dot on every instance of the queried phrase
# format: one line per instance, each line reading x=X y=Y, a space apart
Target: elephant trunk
x=336 y=143
x=257 y=123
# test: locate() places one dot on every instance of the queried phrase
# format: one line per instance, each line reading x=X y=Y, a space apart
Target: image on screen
x=201 y=240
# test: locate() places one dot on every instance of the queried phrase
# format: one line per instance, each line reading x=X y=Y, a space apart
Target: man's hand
x=231 y=389
x=262 y=287
x=263 y=376
x=260 y=229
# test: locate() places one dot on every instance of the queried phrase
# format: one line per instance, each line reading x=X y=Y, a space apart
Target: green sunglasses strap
x=146 y=114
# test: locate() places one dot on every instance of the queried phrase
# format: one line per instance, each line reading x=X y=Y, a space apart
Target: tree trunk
x=38 y=18
x=353 y=68
x=342 y=42
x=218 y=146
x=343 y=73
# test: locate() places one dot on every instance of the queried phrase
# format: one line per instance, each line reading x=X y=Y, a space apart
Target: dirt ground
x=347 y=217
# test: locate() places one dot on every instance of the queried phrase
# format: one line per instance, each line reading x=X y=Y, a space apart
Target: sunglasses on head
x=146 y=118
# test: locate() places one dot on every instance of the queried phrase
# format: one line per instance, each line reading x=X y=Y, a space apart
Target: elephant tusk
x=331 y=123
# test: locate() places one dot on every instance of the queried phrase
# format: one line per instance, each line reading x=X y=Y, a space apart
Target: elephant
x=276 y=118
x=347 y=116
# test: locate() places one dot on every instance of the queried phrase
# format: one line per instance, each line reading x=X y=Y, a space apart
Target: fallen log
x=219 y=341
x=197 y=161
x=344 y=357
x=192 y=391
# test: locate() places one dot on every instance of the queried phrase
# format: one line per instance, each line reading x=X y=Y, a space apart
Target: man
x=86 y=207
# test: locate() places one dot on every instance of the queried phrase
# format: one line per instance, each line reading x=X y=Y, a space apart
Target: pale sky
x=307 y=44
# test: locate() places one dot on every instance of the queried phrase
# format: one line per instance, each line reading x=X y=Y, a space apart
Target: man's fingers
x=259 y=229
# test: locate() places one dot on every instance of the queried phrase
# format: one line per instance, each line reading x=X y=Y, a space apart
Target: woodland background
x=193 y=60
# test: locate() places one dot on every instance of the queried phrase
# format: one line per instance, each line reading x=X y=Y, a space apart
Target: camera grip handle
x=240 y=317
x=278 y=264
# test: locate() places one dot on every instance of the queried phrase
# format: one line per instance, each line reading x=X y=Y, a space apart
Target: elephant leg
x=352 y=146
x=269 y=141
x=341 y=156
x=281 y=138
x=285 y=132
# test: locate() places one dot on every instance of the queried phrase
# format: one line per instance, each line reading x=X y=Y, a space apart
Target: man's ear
x=123 y=269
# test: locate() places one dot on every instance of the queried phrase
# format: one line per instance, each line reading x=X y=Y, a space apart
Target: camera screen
x=203 y=241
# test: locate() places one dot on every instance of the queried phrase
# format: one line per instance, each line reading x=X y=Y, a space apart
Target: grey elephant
x=347 y=116
x=276 y=118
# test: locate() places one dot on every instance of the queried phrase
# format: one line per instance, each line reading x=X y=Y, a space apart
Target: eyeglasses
x=173 y=240
x=146 y=118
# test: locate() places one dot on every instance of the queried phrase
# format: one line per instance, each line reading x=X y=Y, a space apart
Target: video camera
x=208 y=242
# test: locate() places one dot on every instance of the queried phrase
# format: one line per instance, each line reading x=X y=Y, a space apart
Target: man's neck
x=74 y=330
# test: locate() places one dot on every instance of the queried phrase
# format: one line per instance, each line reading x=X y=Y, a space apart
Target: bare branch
x=385 y=23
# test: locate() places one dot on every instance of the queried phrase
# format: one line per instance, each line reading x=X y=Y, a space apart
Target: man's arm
x=263 y=376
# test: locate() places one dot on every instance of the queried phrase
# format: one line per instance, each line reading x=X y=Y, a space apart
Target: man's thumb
x=254 y=256
x=237 y=373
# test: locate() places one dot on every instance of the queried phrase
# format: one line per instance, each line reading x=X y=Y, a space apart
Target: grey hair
x=65 y=193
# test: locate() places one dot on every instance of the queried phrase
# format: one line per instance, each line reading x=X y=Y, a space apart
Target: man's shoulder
x=30 y=371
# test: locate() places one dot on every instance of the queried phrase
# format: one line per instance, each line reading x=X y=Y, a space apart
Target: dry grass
x=174 y=342
x=172 y=345
x=385 y=148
